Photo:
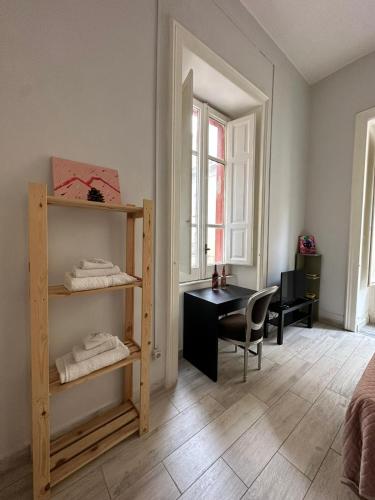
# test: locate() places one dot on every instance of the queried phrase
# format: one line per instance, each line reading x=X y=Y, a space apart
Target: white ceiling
x=318 y=36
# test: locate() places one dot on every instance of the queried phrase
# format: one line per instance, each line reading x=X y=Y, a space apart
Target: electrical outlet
x=156 y=354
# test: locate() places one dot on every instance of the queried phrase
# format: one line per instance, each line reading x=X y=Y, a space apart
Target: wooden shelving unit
x=55 y=460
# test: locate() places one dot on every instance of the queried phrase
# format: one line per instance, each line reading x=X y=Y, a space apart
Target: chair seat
x=234 y=327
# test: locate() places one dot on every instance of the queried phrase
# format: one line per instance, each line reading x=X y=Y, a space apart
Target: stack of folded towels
x=96 y=351
x=95 y=273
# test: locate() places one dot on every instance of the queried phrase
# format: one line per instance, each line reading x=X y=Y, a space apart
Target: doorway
x=360 y=296
x=190 y=54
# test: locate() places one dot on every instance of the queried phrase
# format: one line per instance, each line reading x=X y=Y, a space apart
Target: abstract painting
x=74 y=180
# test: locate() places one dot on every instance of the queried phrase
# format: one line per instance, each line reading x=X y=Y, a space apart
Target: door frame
x=181 y=38
x=357 y=216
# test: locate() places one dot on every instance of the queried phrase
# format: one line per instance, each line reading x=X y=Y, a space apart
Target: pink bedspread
x=359 y=436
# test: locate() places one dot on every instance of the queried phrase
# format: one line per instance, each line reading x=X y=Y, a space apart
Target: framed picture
x=74 y=180
x=306 y=244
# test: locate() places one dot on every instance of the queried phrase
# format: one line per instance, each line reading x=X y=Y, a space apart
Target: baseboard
x=331 y=318
x=15 y=459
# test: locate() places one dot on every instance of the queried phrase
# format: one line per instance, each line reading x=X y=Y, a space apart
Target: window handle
x=206 y=249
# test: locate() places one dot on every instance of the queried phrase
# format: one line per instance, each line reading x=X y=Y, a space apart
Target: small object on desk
x=223 y=279
x=215 y=279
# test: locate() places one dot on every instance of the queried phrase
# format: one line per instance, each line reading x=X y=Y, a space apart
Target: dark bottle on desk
x=215 y=279
x=223 y=279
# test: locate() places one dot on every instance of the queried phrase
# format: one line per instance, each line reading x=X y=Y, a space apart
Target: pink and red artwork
x=306 y=244
x=74 y=180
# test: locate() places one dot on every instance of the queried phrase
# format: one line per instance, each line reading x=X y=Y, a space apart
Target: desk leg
x=200 y=335
x=280 y=328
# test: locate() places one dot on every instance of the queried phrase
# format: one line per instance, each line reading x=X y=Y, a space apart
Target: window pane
x=194 y=189
x=194 y=248
x=216 y=139
x=215 y=195
x=195 y=128
x=215 y=242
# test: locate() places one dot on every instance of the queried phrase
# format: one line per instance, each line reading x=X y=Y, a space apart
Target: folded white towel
x=78 y=284
x=80 y=354
x=87 y=273
x=70 y=370
x=96 y=339
x=95 y=263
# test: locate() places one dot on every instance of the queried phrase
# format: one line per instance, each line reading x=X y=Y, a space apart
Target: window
x=217 y=191
x=207 y=191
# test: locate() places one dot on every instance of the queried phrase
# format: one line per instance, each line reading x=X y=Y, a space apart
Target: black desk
x=202 y=309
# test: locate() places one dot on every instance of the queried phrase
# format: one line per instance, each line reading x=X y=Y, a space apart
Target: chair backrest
x=256 y=309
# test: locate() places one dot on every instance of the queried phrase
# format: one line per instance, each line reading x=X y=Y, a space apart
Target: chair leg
x=245 y=360
x=259 y=351
x=235 y=348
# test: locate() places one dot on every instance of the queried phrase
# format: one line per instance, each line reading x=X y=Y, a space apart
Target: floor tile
x=337 y=443
x=184 y=396
x=276 y=353
x=327 y=484
x=217 y=483
x=279 y=480
x=141 y=455
x=272 y=387
x=19 y=490
x=161 y=410
x=366 y=348
x=308 y=444
x=192 y=459
x=348 y=376
x=156 y=485
x=234 y=388
x=316 y=379
x=255 y=448
x=15 y=469
x=345 y=346
x=317 y=348
x=91 y=487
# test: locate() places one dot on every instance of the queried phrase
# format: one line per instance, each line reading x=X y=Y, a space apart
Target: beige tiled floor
x=278 y=436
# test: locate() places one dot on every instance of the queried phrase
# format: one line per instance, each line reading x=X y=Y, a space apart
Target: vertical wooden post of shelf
x=38 y=275
x=146 y=316
x=129 y=301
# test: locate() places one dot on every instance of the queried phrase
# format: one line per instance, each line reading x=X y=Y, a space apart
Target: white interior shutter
x=240 y=191
x=185 y=177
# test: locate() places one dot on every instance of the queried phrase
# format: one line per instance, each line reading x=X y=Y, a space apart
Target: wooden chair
x=245 y=330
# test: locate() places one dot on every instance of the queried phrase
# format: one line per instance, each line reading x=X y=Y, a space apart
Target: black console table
x=202 y=309
x=300 y=311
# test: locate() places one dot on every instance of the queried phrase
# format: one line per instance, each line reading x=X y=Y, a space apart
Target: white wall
x=78 y=80
x=335 y=101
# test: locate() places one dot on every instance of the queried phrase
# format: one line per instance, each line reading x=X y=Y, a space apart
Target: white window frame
x=205 y=271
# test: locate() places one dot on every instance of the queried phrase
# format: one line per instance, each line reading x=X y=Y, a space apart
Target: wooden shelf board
x=61 y=291
x=62 y=202
x=86 y=442
x=54 y=379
